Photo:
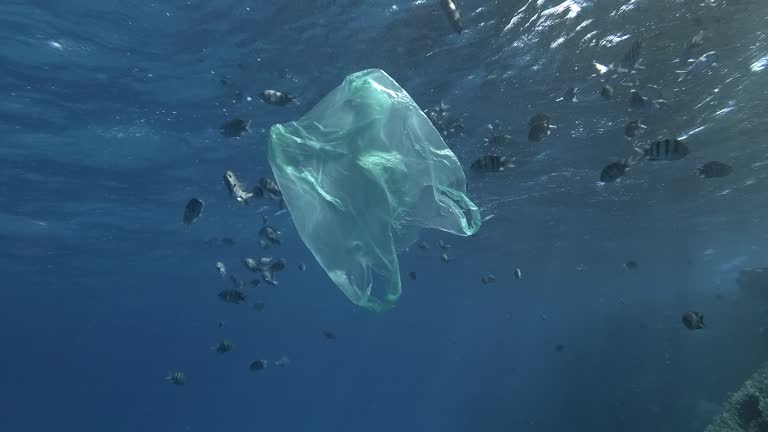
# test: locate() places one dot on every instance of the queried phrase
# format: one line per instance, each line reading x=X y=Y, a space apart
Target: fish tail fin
x=248 y=126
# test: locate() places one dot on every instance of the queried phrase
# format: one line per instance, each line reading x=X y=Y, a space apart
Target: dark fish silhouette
x=269 y=236
x=278 y=264
x=223 y=347
x=540 y=118
x=232 y=296
x=539 y=127
x=328 y=334
x=633 y=128
x=607 y=92
x=491 y=163
x=693 y=320
x=488 y=279
x=715 y=169
x=570 y=94
x=454 y=17
x=666 y=150
x=631 y=59
x=258 y=365
x=614 y=171
x=192 y=210
x=267 y=188
x=636 y=100
x=235 y=128
x=631 y=265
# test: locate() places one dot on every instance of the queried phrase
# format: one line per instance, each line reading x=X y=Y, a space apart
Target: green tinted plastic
x=361 y=173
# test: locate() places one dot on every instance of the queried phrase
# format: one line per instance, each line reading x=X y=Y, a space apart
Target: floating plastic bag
x=361 y=173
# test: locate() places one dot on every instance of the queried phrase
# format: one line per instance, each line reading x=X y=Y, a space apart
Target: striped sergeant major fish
x=668 y=149
x=629 y=62
x=491 y=163
x=714 y=169
x=177 y=378
x=632 y=57
x=614 y=171
x=453 y=14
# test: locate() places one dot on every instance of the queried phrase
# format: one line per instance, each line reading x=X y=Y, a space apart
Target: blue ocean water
x=110 y=116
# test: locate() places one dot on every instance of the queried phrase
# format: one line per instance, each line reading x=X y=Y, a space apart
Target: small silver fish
x=454 y=17
x=269 y=236
x=221 y=268
x=267 y=277
x=274 y=97
x=699 y=65
x=518 y=273
x=236 y=188
x=283 y=361
x=445 y=257
x=251 y=264
x=601 y=69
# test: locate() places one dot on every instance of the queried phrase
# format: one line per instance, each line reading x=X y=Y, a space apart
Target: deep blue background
x=108 y=125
